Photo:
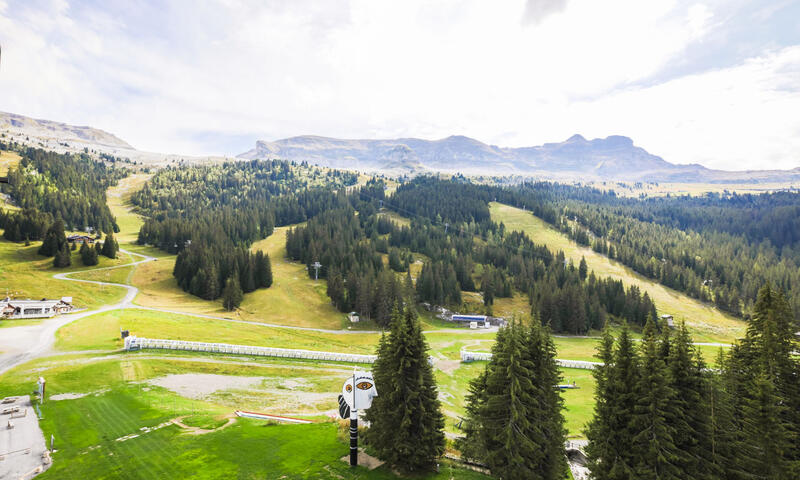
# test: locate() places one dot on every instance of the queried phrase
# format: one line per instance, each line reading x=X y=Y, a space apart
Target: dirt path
x=201 y=431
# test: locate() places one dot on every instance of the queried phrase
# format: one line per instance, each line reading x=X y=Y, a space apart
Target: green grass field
x=24 y=274
x=91 y=430
x=8 y=160
x=101 y=332
x=705 y=321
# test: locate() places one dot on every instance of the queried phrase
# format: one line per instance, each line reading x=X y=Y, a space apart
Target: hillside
x=612 y=158
x=60 y=132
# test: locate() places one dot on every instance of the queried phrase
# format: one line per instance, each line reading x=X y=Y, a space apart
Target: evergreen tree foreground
x=406 y=424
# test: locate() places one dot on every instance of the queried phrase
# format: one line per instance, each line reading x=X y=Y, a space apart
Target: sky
x=714 y=82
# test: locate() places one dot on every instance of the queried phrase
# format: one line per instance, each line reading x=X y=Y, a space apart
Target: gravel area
x=199 y=385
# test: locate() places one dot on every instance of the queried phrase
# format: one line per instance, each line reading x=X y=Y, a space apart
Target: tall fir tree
x=763 y=378
x=88 y=255
x=232 y=293
x=656 y=456
x=63 y=258
x=54 y=239
x=406 y=424
x=611 y=447
x=110 y=246
x=514 y=422
x=689 y=411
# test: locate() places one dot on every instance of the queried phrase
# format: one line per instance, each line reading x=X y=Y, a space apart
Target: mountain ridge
x=615 y=157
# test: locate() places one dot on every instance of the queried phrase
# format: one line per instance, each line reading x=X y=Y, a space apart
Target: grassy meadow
x=707 y=323
x=100 y=435
x=7 y=160
x=25 y=274
x=101 y=332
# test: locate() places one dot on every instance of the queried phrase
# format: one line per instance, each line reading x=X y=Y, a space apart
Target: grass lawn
x=24 y=274
x=205 y=421
x=293 y=298
x=115 y=275
x=706 y=322
x=101 y=331
x=7 y=160
x=118 y=200
x=89 y=430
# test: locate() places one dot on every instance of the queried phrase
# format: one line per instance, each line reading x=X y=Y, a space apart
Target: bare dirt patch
x=365 y=460
x=199 y=385
x=447 y=366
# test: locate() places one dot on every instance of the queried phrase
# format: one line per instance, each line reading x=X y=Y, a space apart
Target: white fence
x=137 y=343
x=483 y=356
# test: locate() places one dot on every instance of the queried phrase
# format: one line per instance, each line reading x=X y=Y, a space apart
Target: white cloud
x=161 y=77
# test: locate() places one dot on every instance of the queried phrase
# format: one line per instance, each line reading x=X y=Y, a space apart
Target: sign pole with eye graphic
x=357 y=392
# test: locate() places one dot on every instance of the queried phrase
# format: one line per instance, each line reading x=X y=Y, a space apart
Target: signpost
x=357 y=392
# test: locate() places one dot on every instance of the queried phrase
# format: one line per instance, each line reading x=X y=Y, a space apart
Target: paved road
x=22 y=344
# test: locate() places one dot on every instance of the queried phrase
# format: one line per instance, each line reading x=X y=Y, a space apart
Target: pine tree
x=88 y=255
x=514 y=422
x=63 y=258
x=336 y=290
x=547 y=411
x=110 y=246
x=583 y=269
x=610 y=433
x=232 y=294
x=656 y=455
x=407 y=426
x=763 y=381
x=263 y=270
x=599 y=429
x=688 y=412
x=54 y=239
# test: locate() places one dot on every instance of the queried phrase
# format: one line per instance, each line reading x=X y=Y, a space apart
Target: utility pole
x=316 y=266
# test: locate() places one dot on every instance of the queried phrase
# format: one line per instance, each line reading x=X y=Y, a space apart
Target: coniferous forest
x=70 y=187
x=49 y=186
x=210 y=215
x=660 y=412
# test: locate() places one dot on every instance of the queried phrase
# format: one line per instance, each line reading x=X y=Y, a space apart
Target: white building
x=14 y=309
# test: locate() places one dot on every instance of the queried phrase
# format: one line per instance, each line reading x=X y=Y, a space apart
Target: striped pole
x=354 y=427
x=353 y=438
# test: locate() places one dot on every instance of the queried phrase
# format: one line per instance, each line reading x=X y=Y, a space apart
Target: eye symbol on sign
x=364 y=386
x=349 y=387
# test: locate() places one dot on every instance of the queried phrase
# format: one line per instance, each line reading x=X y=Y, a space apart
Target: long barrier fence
x=138 y=343
x=483 y=356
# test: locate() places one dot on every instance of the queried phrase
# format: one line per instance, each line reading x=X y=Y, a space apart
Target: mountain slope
x=611 y=158
x=61 y=132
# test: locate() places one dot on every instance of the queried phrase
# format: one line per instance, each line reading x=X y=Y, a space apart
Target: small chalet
x=80 y=239
x=13 y=309
x=668 y=321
